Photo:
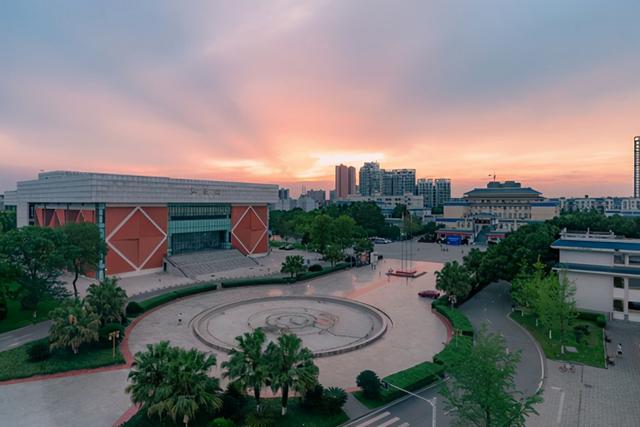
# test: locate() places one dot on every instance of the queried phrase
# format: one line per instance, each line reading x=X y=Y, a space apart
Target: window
x=634 y=305
x=634 y=283
x=634 y=259
x=618 y=282
x=618 y=259
x=618 y=305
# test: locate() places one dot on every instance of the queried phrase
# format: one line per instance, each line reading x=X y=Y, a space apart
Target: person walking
x=619 y=349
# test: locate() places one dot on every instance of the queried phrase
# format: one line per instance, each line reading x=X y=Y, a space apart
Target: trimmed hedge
x=411 y=379
x=153 y=302
x=457 y=346
x=237 y=283
x=591 y=316
x=459 y=321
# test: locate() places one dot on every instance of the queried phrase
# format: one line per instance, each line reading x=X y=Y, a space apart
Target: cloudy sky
x=546 y=91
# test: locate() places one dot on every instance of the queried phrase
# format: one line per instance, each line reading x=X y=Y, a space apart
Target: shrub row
x=591 y=316
x=459 y=345
x=134 y=308
x=459 y=321
x=411 y=379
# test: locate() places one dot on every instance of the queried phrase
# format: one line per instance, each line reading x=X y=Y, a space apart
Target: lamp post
x=431 y=401
x=113 y=337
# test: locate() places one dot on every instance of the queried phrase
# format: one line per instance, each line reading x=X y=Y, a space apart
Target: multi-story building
x=414 y=203
x=320 y=196
x=636 y=167
x=142 y=219
x=623 y=206
x=396 y=182
x=283 y=193
x=345 y=181
x=370 y=179
x=1 y=202
x=488 y=214
x=435 y=192
x=605 y=270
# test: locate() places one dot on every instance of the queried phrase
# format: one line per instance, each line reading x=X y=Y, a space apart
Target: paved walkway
x=594 y=397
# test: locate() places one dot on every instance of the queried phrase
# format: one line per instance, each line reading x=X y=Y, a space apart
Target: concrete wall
x=592 y=258
x=593 y=292
x=543 y=213
x=455 y=211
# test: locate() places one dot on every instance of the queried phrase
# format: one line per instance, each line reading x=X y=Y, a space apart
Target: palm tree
x=73 y=325
x=187 y=388
x=247 y=365
x=148 y=372
x=454 y=280
x=107 y=299
x=172 y=381
x=293 y=265
x=290 y=367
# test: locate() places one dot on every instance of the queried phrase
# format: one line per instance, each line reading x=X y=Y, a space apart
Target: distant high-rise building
x=345 y=181
x=424 y=188
x=636 y=167
x=370 y=179
x=397 y=182
x=442 y=191
x=435 y=192
x=320 y=196
x=283 y=193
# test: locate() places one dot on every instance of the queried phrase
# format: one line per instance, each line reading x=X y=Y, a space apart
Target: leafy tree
x=107 y=300
x=73 y=325
x=83 y=249
x=344 y=231
x=482 y=392
x=290 y=367
x=34 y=257
x=321 y=232
x=7 y=221
x=293 y=264
x=362 y=246
x=454 y=280
x=556 y=306
x=173 y=381
x=525 y=288
x=333 y=254
x=248 y=365
x=411 y=225
x=400 y=211
x=369 y=383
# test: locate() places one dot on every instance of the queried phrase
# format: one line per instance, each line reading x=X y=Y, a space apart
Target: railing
x=589 y=234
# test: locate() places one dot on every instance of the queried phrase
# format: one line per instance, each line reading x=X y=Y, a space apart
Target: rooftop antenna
x=493 y=176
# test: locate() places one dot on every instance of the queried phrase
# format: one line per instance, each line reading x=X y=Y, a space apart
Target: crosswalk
x=385 y=419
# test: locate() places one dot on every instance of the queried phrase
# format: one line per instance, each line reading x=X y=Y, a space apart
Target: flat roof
x=598 y=269
x=601 y=245
x=94 y=187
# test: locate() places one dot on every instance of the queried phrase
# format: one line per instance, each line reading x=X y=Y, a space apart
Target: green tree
x=321 y=232
x=107 y=300
x=369 y=383
x=344 y=231
x=454 y=280
x=333 y=254
x=35 y=259
x=481 y=391
x=73 y=325
x=556 y=306
x=290 y=367
x=173 y=381
x=293 y=264
x=411 y=225
x=7 y=221
x=248 y=365
x=400 y=211
x=362 y=246
x=83 y=249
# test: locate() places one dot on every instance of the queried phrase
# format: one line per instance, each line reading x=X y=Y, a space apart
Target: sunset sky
x=545 y=92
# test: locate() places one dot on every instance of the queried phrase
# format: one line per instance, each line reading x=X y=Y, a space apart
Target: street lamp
x=431 y=401
x=113 y=337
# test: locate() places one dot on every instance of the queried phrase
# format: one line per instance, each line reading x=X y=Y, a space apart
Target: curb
x=543 y=362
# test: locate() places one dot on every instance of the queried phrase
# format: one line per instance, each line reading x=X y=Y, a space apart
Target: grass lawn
x=15 y=363
x=369 y=403
x=590 y=348
x=17 y=318
x=296 y=417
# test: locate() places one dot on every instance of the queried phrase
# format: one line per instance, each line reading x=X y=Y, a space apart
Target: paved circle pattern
x=326 y=325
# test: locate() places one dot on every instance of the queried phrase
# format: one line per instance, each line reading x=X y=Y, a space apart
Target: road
x=491 y=305
x=17 y=337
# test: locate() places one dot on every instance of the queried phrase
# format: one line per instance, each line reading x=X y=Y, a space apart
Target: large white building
x=605 y=270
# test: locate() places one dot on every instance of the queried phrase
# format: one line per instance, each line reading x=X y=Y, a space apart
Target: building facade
x=345 y=181
x=486 y=215
x=435 y=192
x=605 y=270
x=143 y=219
x=414 y=203
x=397 y=182
x=370 y=179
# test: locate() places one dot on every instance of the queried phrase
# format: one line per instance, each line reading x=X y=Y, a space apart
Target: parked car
x=287 y=248
x=381 y=241
x=429 y=294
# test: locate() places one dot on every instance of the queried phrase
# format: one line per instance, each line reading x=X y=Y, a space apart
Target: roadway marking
x=560 y=408
x=373 y=420
x=404 y=425
x=388 y=423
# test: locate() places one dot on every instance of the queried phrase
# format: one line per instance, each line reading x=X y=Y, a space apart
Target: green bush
x=459 y=321
x=457 y=347
x=312 y=398
x=334 y=399
x=133 y=309
x=315 y=267
x=259 y=420
x=369 y=383
x=233 y=402
x=412 y=379
x=222 y=422
x=592 y=316
x=4 y=310
x=39 y=351
x=256 y=282
x=106 y=330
